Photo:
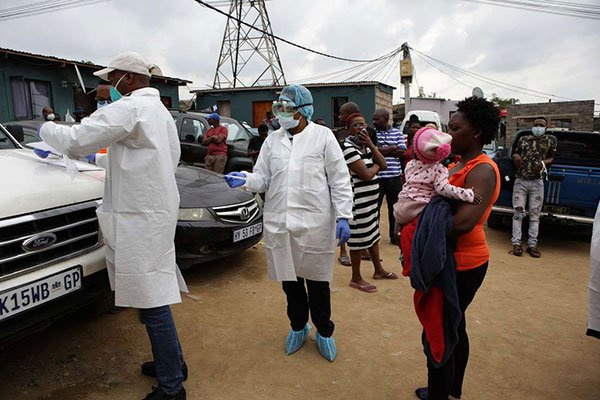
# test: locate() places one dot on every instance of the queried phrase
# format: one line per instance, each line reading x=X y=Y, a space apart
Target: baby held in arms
x=426 y=177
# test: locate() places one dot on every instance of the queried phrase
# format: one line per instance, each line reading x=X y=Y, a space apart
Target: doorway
x=259 y=111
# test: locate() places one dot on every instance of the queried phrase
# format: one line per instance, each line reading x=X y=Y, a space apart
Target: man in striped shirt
x=392 y=144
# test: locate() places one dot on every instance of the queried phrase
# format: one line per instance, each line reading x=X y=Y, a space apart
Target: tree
x=503 y=103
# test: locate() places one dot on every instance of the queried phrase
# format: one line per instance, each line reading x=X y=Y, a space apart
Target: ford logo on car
x=39 y=242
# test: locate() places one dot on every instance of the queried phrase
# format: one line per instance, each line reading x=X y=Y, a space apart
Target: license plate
x=556 y=210
x=245 y=233
x=25 y=297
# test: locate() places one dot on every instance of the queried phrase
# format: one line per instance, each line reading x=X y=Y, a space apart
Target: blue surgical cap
x=299 y=95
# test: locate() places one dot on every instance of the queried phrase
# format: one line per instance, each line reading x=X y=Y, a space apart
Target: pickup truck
x=572 y=186
x=51 y=251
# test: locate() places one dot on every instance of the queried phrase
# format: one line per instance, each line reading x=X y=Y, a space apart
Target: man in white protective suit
x=139 y=210
x=308 y=202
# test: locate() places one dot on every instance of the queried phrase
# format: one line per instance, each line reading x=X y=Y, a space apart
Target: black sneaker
x=149 y=369
x=421 y=393
x=158 y=394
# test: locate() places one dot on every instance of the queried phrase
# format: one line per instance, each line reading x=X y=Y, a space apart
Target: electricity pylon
x=248 y=55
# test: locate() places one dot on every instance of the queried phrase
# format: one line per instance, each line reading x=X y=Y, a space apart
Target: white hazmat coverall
x=140 y=206
x=307 y=187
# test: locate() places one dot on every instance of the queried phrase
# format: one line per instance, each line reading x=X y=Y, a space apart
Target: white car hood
x=28 y=185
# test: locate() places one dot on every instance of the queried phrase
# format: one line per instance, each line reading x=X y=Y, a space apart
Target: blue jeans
x=168 y=357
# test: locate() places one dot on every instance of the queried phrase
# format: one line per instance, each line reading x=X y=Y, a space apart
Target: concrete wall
x=62 y=79
x=368 y=99
x=573 y=115
x=442 y=106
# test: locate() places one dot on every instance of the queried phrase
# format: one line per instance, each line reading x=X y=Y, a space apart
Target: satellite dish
x=477 y=92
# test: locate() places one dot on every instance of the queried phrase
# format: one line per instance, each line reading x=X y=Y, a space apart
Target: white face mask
x=538 y=130
x=50 y=117
x=288 y=123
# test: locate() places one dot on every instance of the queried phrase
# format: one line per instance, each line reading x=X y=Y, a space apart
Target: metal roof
x=178 y=81
x=308 y=85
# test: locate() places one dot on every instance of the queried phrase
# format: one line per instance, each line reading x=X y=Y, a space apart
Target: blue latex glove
x=41 y=153
x=342 y=231
x=234 y=182
x=91 y=158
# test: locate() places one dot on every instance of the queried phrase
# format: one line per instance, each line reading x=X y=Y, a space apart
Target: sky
x=548 y=53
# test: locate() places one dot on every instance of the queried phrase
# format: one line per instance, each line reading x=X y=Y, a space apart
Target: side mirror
x=16 y=131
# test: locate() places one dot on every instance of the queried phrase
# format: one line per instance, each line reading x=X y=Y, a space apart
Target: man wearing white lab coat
x=302 y=170
x=139 y=210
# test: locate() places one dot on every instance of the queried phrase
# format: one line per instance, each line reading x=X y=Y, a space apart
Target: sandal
x=366 y=289
x=534 y=252
x=517 y=250
x=388 y=275
x=345 y=261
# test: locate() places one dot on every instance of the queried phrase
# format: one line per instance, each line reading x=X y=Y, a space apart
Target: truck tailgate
x=572 y=190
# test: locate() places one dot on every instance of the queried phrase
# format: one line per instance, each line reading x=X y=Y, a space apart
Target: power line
x=491 y=81
x=543 y=8
x=442 y=71
x=207 y=5
x=43 y=7
x=484 y=78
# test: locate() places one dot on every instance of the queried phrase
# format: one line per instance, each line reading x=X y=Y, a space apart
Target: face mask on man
x=102 y=103
x=538 y=130
x=51 y=117
x=114 y=92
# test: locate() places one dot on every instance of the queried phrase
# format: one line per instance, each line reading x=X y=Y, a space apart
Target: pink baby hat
x=431 y=146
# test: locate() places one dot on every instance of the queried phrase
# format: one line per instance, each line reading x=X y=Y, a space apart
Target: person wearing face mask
x=307 y=206
x=532 y=156
x=216 y=140
x=140 y=206
x=48 y=114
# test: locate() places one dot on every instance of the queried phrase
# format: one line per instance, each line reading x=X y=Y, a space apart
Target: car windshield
x=5 y=142
x=235 y=131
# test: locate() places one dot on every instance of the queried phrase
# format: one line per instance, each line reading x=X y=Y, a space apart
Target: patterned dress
x=364 y=227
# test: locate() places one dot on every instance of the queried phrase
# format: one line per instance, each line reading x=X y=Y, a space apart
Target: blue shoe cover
x=326 y=347
x=295 y=339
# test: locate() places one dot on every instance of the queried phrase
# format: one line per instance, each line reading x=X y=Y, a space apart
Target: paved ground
x=527 y=327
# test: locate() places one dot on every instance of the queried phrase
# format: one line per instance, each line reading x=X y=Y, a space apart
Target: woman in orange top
x=474 y=124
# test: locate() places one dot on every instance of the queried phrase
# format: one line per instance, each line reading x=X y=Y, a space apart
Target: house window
x=336 y=103
x=29 y=97
x=224 y=108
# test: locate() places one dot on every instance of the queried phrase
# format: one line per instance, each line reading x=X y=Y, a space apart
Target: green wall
x=62 y=78
x=241 y=100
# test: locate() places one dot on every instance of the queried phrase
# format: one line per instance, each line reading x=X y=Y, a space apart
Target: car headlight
x=195 y=214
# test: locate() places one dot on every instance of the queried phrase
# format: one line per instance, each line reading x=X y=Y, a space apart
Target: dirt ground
x=527 y=331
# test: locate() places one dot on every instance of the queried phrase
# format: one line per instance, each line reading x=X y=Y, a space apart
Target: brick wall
x=573 y=115
x=382 y=100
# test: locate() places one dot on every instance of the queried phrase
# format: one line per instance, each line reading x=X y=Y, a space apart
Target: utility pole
x=248 y=57
x=406 y=74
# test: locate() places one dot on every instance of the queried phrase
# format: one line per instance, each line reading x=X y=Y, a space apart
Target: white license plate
x=247 y=232
x=16 y=300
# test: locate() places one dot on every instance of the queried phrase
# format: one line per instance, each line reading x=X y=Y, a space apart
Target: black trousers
x=317 y=300
x=448 y=379
x=389 y=189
